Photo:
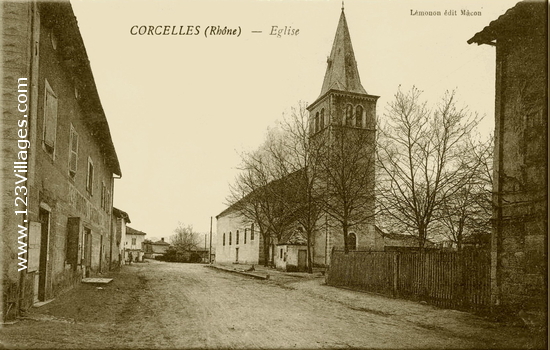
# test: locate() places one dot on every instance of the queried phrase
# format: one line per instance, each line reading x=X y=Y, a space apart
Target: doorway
x=87 y=251
x=236 y=254
x=302 y=260
x=44 y=218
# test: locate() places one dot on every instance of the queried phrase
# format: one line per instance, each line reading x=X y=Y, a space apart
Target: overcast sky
x=181 y=108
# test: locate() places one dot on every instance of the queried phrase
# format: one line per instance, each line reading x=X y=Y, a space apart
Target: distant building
x=119 y=221
x=519 y=240
x=154 y=249
x=133 y=243
x=58 y=149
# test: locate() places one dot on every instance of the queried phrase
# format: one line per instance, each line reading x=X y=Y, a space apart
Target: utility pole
x=210 y=250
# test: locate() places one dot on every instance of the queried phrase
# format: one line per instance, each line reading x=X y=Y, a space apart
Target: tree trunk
x=346 y=248
x=309 y=263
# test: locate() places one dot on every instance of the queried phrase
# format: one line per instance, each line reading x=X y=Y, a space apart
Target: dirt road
x=170 y=305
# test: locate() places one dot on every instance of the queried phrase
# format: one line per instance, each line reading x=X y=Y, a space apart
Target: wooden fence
x=445 y=279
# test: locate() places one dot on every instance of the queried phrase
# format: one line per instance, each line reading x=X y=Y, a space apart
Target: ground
x=173 y=305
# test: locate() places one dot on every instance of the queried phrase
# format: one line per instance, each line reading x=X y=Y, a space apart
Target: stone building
x=119 y=221
x=58 y=159
x=343 y=107
x=520 y=233
x=154 y=249
x=133 y=243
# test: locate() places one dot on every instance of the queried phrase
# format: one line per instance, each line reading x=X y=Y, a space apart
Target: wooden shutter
x=50 y=118
x=73 y=156
x=35 y=235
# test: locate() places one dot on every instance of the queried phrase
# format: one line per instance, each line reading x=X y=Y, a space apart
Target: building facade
x=119 y=221
x=154 y=249
x=133 y=243
x=519 y=239
x=58 y=160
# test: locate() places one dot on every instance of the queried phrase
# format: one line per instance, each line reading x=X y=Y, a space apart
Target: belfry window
x=322 y=121
x=349 y=115
x=359 y=116
x=316 y=121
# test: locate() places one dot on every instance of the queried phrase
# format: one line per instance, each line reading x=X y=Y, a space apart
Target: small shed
x=291 y=253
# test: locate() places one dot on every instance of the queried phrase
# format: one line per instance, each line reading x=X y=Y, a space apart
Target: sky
x=181 y=108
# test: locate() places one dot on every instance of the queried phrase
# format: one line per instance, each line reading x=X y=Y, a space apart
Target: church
x=343 y=108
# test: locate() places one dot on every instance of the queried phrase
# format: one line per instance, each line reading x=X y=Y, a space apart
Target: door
x=302 y=260
x=44 y=218
x=87 y=251
x=236 y=254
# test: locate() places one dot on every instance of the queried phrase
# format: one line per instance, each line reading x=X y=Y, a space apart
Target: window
x=90 y=177
x=103 y=195
x=73 y=152
x=281 y=254
x=359 y=116
x=252 y=232
x=237 y=238
x=317 y=122
x=133 y=241
x=224 y=238
x=50 y=119
x=322 y=120
x=349 y=115
x=229 y=237
x=352 y=241
x=108 y=202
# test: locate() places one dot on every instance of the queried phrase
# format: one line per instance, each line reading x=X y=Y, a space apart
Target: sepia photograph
x=276 y=174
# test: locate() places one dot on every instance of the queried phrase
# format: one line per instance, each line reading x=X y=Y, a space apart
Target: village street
x=170 y=305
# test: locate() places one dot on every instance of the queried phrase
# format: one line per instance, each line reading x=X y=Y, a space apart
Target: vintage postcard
x=274 y=174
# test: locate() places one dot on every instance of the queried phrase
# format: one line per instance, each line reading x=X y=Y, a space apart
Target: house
x=154 y=249
x=119 y=221
x=133 y=244
x=57 y=157
x=519 y=238
x=343 y=107
x=291 y=252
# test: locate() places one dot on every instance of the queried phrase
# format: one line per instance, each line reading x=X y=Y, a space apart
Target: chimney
x=162 y=239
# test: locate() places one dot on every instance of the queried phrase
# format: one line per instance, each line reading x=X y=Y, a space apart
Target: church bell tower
x=344 y=108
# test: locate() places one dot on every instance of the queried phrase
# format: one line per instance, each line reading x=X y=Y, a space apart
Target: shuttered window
x=50 y=119
x=73 y=152
x=90 y=177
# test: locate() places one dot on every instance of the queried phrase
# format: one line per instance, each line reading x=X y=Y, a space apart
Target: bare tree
x=347 y=177
x=301 y=165
x=468 y=211
x=185 y=238
x=421 y=160
x=260 y=190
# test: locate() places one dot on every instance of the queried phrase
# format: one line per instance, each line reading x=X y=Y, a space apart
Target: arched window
x=316 y=121
x=322 y=121
x=359 y=116
x=349 y=115
x=229 y=237
x=237 y=237
x=224 y=238
x=245 y=236
x=352 y=241
x=252 y=232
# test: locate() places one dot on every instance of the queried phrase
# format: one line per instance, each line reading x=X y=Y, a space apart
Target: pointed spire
x=342 y=73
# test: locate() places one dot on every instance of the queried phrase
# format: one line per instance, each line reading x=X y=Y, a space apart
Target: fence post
x=396 y=274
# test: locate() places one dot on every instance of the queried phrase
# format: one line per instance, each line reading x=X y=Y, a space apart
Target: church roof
x=342 y=73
